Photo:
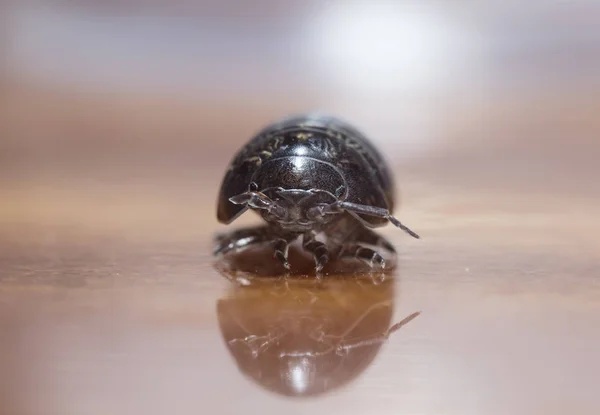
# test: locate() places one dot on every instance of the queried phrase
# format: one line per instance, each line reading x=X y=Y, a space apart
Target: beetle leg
x=367 y=255
x=281 y=251
x=241 y=239
x=358 y=242
x=244 y=238
x=375 y=211
x=369 y=237
x=317 y=249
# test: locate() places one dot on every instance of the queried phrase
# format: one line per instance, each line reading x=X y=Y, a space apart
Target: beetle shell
x=366 y=176
x=308 y=175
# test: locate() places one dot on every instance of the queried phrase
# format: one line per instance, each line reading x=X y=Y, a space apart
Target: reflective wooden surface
x=123 y=311
x=110 y=302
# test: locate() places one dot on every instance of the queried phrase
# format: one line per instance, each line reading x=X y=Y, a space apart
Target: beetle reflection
x=304 y=336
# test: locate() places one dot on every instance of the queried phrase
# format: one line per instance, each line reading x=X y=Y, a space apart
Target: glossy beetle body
x=308 y=175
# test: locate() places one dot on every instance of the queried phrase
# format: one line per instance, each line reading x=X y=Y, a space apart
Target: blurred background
x=118 y=119
x=486 y=94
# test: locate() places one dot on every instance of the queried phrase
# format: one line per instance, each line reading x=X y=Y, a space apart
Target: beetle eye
x=253 y=186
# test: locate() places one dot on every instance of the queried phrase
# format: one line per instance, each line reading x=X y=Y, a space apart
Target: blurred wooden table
x=110 y=304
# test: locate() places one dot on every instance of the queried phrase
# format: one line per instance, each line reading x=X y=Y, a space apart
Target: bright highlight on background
x=382 y=45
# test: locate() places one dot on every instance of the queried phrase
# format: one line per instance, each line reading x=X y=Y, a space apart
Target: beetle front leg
x=241 y=239
x=317 y=249
x=244 y=238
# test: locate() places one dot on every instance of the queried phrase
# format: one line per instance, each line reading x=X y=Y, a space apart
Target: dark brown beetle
x=310 y=175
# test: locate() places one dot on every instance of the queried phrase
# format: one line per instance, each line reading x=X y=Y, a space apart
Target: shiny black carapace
x=312 y=176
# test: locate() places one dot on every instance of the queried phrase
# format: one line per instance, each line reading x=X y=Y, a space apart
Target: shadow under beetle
x=310 y=175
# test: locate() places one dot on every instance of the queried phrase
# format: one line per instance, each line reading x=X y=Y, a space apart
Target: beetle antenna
x=405 y=228
x=257 y=200
x=379 y=212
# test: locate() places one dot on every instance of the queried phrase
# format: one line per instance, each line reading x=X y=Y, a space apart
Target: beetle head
x=294 y=205
x=298 y=207
x=286 y=190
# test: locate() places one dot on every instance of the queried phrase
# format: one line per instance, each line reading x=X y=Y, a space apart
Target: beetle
x=309 y=175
